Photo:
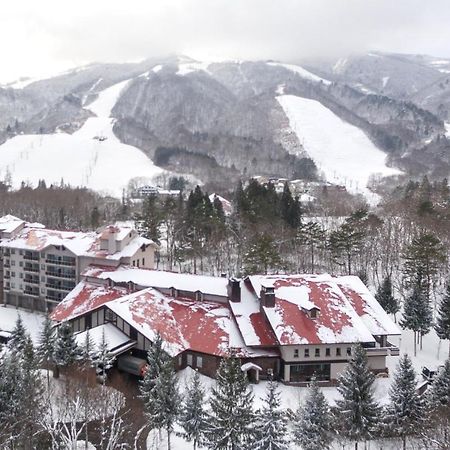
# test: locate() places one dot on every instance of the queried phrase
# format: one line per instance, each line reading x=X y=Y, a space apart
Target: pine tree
x=439 y=393
x=312 y=429
x=358 y=411
x=386 y=299
x=66 y=351
x=18 y=337
x=193 y=415
x=164 y=412
x=46 y=342
x=102 y=358
x=271 y=422
x=404 y=414
x=417 y=314
x=231 y=421
x=442 y=326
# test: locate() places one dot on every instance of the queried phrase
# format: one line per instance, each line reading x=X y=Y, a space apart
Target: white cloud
x=37 y=38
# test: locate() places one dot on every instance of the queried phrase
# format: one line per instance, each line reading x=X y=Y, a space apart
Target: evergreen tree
x=193 y=418
x=231 y=421
x=87 y=350
x=18 y=337
x=163 y=413
x=358 y=411
x=271 y=422
x=439 y=392
x=151 y=219
x=262 y=255
x=386 y=299
x=312 y=236
x=417 y=314
x=442 y=326
x=66 y=351
x=312 y=430
x=423 y=257
x=102 y=358
x=404 y=414
x=95 y=217
x=46 y=344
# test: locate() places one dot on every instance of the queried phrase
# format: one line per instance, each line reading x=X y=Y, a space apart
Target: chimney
x=234 y=290
x=267 y=296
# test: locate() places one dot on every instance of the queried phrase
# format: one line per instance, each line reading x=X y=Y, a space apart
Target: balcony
x=6 y=276
x=6 y=263
x=61 y=262
x=31 y=256
x=60 y=274
x=31 y=292
x=383 y=351
x=29 y=268
x=31 y=280
x=59 y=287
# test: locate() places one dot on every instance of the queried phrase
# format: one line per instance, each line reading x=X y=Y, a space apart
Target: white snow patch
x=385 y=81
x=92 y=157
x=342 y=151
x=447 y=129
x=300 y=71
x=33 y=322
x=185 y=69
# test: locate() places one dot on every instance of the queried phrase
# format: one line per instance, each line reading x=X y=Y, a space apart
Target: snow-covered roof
x=367 y=307
x=33 y=322
x=83 y=298
x=226 y=204
x=116 y=340
x=160 y=279
x=253 y=327
x=79 y=243
x=183 y=324
x=295 y=295
x=9 y=223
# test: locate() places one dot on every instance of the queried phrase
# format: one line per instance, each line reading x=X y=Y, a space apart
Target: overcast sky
x=38 y=38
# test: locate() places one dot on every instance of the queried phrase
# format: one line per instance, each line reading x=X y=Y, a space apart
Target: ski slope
x=300 y=71
x=82 y=159
x=341 y=151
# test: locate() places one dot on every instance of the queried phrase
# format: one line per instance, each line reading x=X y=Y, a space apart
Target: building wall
x=143 y=258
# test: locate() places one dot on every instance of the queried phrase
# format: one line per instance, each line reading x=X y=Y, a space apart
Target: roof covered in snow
x=367 y=307
x=160 y=279
x=226 y=204
x=83 y=298
x=116 y=340
x=183 y=324
x=9 y=223
x=296 y=295
x=253 y=326
x=79 y=243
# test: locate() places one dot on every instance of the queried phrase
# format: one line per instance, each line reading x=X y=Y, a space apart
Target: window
x=306 y=352
x=21 y=287
x=296 y=353
x=338 y=351
x=20 y=275
x=173 y=292
x=317 y=353
x=327 y=352
x=21 y=263
x=349 y=351
x=13 y=251
x=313 y=313
x=199 y=296
x=143 y=261
x=180 y=360
x=13 y=263
x=20 y=252
x=13 y=274
x=189 y=360
x=137 y=263
x=134 y=262
x=199 y=362
x=120 y=323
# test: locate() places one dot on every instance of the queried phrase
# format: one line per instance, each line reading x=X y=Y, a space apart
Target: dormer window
x=314 y=313
x=173 y=292
x=198 y=296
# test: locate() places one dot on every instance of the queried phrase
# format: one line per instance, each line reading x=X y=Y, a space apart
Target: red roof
x=83 y=298
x=296 y=295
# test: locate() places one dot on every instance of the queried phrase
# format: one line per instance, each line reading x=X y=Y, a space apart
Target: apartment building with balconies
x=41 y=266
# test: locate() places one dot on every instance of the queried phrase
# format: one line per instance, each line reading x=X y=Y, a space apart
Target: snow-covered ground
x=92 y=157
x=300 y=71
x=33 y=322
x=342 y=151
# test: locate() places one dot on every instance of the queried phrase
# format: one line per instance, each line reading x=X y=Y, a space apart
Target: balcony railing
x=31 y=280
x=7 y=275
x=32 y=293
x=59 y=288
x=60 y=262
x=52 y=273
x=31 y=269
x=383 y=351
x=31 y=257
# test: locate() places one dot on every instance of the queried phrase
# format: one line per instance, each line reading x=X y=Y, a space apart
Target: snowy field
x=340 y=150
x=81 y=159
x=33 y=322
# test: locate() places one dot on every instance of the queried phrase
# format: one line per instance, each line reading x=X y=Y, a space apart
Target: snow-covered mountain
x=104 y=124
